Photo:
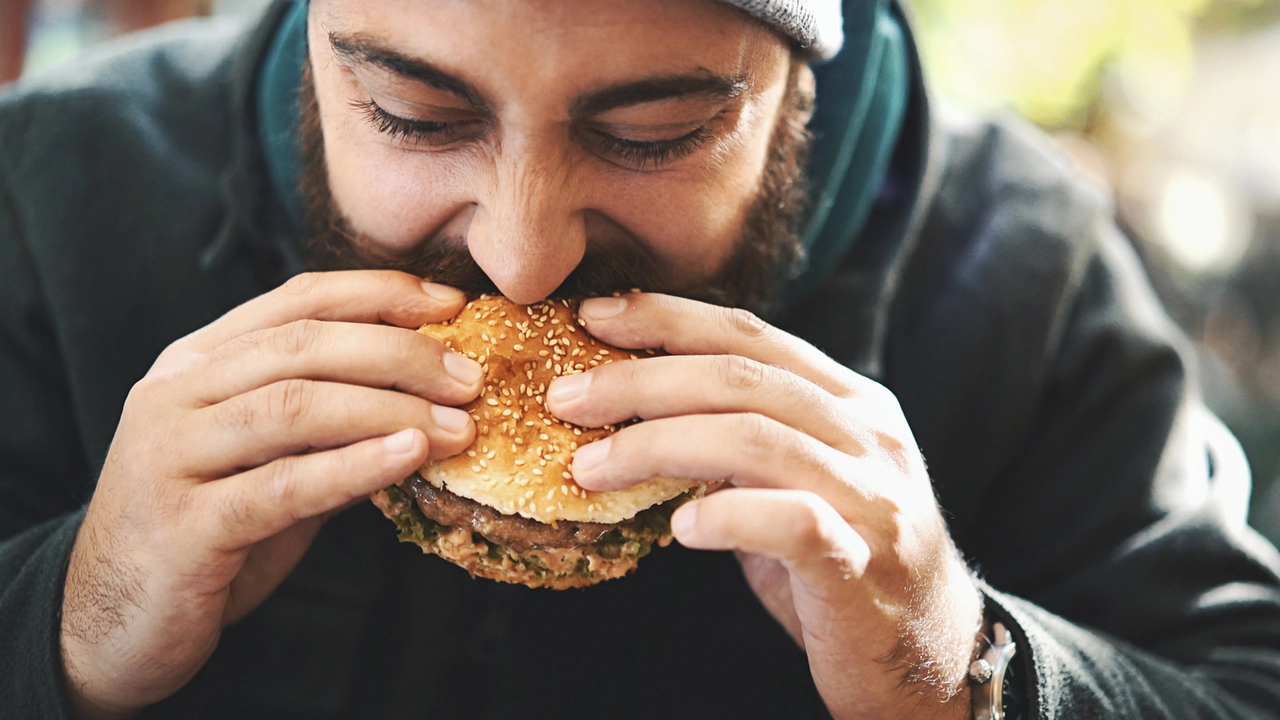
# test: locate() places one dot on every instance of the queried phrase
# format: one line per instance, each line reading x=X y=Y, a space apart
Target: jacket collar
x=254 y=221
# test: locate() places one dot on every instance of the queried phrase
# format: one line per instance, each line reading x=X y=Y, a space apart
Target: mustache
x=447 y=261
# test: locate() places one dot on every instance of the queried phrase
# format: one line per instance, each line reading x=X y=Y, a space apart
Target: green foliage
x=1046 y=58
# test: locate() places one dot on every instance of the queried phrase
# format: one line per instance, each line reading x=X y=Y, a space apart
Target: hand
x=827 y=505
x=231 y=452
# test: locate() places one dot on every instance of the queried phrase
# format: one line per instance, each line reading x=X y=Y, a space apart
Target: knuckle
x=809 y=525
x=288 y=401
x=739 y=373
x=302 y=284
x=406 y=343
x=282 y=482
x=236 y=512
x=745 y=323
x=297 y=337
x=627 y=373
x=761 y=435
x=880 y=396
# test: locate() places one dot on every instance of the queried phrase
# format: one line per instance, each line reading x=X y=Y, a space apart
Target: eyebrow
x=703 y=85
x=361 y=49
x=700 y=85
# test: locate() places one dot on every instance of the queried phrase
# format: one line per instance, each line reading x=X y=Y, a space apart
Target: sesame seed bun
x=519 y=464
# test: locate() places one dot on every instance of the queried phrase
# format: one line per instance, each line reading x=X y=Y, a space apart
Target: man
x=174 y=543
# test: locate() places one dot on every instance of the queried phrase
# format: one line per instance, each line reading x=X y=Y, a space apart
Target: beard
x=764 y=257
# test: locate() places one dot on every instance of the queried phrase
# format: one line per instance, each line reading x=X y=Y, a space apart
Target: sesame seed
x=475 y=468
x=471 y=453
x=483 y=464
x=517 y=347
x=492 y=401
x=519 y=462
x=529 y=494
x=536 y=471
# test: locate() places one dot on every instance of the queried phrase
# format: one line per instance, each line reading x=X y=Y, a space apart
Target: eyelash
x=656 y=153
x=398 y=128
x=641 y=154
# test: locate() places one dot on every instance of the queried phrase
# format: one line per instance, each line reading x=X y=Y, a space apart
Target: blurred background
x=1172 y=105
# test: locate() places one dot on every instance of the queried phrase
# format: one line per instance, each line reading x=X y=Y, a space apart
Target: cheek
x=693 y=220
x=393 y=198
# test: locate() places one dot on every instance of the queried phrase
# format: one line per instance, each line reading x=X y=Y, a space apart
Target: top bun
x=519 y=462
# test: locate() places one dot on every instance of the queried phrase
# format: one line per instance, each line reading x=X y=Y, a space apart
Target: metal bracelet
x=986 y=675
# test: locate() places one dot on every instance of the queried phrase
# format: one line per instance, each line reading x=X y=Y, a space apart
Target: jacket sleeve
x=1145 y=594
x=43 y=477
x=1100 y=500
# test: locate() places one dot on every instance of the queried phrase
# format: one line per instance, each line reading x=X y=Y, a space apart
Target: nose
x=528 y=231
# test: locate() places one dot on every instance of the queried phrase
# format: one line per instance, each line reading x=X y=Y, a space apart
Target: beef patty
x=513 y=531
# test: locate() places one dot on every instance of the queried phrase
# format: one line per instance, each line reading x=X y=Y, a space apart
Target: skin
x=828 y=505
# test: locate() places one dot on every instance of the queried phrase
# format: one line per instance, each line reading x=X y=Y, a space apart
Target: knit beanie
x=814 y=25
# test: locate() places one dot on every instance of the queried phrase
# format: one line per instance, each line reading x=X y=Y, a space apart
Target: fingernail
x=451 y=420
x=443 y=293
x=684 y=519
x=399 y=443
x=589 y=456
x=602 y=308
x=568 y=388
x=463 y=369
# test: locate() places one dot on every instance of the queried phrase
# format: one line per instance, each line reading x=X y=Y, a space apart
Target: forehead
x=555 y=42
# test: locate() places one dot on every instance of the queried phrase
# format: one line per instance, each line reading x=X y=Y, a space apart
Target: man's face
x=523 y=136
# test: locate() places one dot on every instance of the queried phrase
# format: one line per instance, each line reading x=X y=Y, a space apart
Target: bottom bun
x=616 y=553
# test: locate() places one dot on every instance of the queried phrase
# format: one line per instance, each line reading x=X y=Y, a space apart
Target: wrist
x=82 y=704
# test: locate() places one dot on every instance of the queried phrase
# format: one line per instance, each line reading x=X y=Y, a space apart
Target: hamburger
x=508 y=508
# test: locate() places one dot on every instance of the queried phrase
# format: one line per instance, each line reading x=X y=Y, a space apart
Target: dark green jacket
x=1047 y=389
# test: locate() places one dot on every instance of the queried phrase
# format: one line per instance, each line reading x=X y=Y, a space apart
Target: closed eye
x=419 y=132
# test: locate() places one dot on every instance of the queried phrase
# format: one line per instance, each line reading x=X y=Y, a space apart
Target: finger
x=687 y=327
x=295 y=416
x=259 y=503
x=745 y=449
x=376 y=356
x=796 y=528
x=671 y=385
x=367 y=296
